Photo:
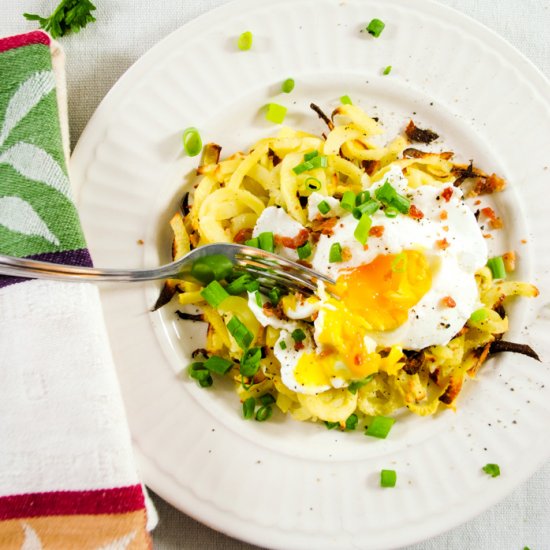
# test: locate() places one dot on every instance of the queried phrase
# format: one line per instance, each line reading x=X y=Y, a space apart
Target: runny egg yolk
x=383 y=291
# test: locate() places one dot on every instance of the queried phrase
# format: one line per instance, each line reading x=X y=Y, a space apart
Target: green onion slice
x=363 y=196
x=492 y=469
x=248 y=408
x=210 y=268
x=479 y=315
x=255 y=242
x=214 y=294
x=288 y=85
x=323 y=207
x=192 y=142
x=351 y=422
x=304 y=251
x=391 y=212
x=298 y=335
x=240 y=333
x=335 y=253
x=239 y=285
x=346 y=100
x=275 y=113
x=258 y=299
x=319 y=161
x=348 y=201
x=267 y=399
x=388 y=478
x=201 y=374
x=369 y=207
x=375 y=27
x=387 y=70
x=331 y=425
x=264 y=413
x=388 y=196
x=311 y=155
x=266 y=241
x=245 y=41
x=361 y=232
x=356 y=384
x=380 y=426
x=312 y=184
x=282 y=344
x=496 y=265
x=250 y=361
x=274 y=295
x=217 y=364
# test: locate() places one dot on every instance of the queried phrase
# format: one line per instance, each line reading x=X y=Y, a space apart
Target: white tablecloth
x=98 y=56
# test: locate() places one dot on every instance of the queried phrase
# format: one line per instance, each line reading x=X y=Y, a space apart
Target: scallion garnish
x=248 y=408
x=361 y=232
x=192 y=142
x=387 y=70
x=388 y=478
x=323 y=207
x=351 y=422
x=479 y=315
x=313 y=184
x=348 y=201
x=250 y=362
x=375 y=27
x=320 y=161
x=275 y=113
x=311 y=155
x=217 y=364
x=274 y=295
x=253 y=242
x=362 y=197
x=304 y=251
x=496 y=265
x=288 y=85
x=356 y=384
x=388 y=196
x=266 y=241
x=238 y=286
x=264 y=413
x=335 y=253
x=282 y=344
x=331 y=425
x=346 y=100
x=210 y=268
x=380 y=426
x=240 y=333
x=214 y=294
x=267 y=399
x=201 y=374
x=391 y=212
x=369 y=207
x=258 y=299
x=298 y=335
x=302 y=167
x=492 y=469
x=245 y=41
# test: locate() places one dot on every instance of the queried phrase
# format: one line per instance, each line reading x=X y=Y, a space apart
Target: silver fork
x=270 y=269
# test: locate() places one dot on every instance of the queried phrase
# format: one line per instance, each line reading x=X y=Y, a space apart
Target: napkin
x=67 y=475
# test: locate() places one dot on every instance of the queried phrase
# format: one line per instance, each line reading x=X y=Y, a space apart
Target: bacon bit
x=358 y=359
x=509 y=259
x=448 y=301
x=523 y=241
x=305 y=263
x=324 y=226
x=365 y=247
x=243 y=235
x=487 y=236
x=298 y=346
x=478 y=202
x=376 y=231
x=140 y=241
x=346 y=254
x=442 y=244
x=447 y=193
x=443 y=215
x=445 y=228
x=415 y=213
x=293 y=242
x=370 y=166
x=495 y=222
x=268 y=309
x=485 y=185
x=417 y=134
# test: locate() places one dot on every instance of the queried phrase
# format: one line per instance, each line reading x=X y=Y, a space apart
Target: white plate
x=283 y=483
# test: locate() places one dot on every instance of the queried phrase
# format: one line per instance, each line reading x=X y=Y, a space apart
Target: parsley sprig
x=69 y=16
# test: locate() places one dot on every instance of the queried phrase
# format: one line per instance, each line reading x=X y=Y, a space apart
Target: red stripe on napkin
x=35 y=37
x=64 y=503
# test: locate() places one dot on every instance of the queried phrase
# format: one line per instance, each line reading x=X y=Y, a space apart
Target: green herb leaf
x=492 y=469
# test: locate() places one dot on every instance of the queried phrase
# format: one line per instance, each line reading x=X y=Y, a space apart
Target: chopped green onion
x=496 y=265
x=192 y=142
x=313 y=184
x=274 y=295
x=331 y=425
x=275 y=113
x=264 y=413
x=387 y=195
x=319 y=162
x=267 y=241
x=323 y=207
x=214 y=294
x=240 y=333
x=387 y=70
x=356 y=384
x=311 y=155
x=346 y=100
x=361 y=232
x=369 y=208
x=401 y=203
x=304 y=251
x=201 y=374
x=399 y=263
x=250 y=362
x=492 y=469
x=335 y=253
x=267 y=399
x=479 y=315
x=282 y=344
x=351 y=422
x=375 y=27
x=363 y=196
x=288 y=85
x=210 y=268
x=255 y=242
x=298 y=335
x=388 y=478
x=391 y=212
x=348 y=201
x=219 y=365
x=252 y=286
x=238 y=286
x=245 y=41
x=302 y=167
x=248 y=408
x=258 y=298
x=380 y=426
